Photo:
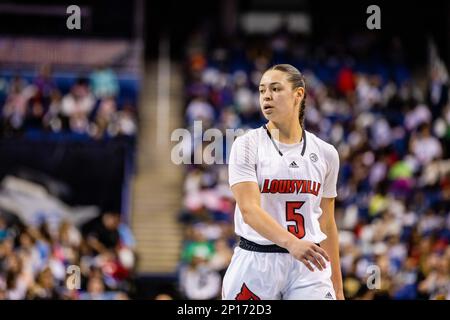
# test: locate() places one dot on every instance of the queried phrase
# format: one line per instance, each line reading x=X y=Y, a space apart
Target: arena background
x=87 y=115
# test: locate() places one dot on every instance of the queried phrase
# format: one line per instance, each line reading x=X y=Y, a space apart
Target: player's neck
x=285 y=133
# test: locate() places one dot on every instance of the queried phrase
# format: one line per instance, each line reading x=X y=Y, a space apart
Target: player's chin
x=269 y=115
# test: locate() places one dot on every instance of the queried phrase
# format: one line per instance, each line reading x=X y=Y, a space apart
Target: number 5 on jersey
x=298 y=229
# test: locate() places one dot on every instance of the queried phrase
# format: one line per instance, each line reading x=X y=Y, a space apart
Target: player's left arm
x=331 y=243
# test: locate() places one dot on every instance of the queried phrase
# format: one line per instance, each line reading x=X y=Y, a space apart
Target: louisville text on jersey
x=290 y=186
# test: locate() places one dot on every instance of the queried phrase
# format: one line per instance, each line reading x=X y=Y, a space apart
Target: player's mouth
x=267 y=107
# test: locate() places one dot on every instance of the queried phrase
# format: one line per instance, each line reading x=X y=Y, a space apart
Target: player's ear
x=299 y=92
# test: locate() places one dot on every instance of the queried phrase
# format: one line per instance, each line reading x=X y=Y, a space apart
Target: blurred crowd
x=53 y=262
x=44 y=252
x=391 y=127
x=90 y=107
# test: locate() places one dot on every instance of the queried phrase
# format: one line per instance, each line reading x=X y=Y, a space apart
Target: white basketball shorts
x=255 y=275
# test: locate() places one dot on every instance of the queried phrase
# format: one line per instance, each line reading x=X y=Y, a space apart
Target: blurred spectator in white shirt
x=424 y=146
x=78 y=104
x=198 y=281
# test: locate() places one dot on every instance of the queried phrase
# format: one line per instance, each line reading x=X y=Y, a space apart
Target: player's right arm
x=248 y=197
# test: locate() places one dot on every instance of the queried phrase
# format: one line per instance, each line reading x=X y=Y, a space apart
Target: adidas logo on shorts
x=328 y=296
x=293 y=165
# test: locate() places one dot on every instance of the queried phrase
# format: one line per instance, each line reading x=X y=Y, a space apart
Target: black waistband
x=252 y=246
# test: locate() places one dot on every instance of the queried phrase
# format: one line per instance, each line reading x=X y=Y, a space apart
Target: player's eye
x=261 y=91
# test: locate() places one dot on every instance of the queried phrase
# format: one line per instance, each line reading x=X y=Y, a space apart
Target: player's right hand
x=308 y=253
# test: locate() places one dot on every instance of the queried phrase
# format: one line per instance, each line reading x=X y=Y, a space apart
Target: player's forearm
x=266 y=226
x=331 y=246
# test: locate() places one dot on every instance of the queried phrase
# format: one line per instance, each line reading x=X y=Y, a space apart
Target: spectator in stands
x=437 y=277
x=105 y=120
x=15 y=109
x=53 y=118
x=45 y=85
x=221 y=257
x=424 y=146
x=95 y=290
x=18 y=277
x=104 y=82
x=198 y=281
x=197 y=246
x=114 y=243
x=105 y=235
x=200 y=109
x=111 y=122
x=77 y=105
x=44 y=288
x=437 y=91
x=126 y=120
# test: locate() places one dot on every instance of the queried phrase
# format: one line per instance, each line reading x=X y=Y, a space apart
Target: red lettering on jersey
x=246 y=294
x=274 y=186
x=266 y=186
x=308 y=188
x=298 y=185
x=315 y=188
x=291 y=186
x=304 y=186
x=282 y=187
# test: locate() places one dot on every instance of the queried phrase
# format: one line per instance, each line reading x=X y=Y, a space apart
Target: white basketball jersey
x=292 y=179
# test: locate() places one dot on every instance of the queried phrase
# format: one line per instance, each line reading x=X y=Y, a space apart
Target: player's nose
x=267 y=96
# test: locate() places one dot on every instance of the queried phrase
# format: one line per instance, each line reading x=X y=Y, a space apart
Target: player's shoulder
x=250 y=136
x=327 y=149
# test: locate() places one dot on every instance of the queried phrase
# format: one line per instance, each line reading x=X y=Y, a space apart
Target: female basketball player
x=284 y=181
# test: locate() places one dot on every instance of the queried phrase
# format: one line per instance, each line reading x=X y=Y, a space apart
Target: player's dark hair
x=296 y=78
